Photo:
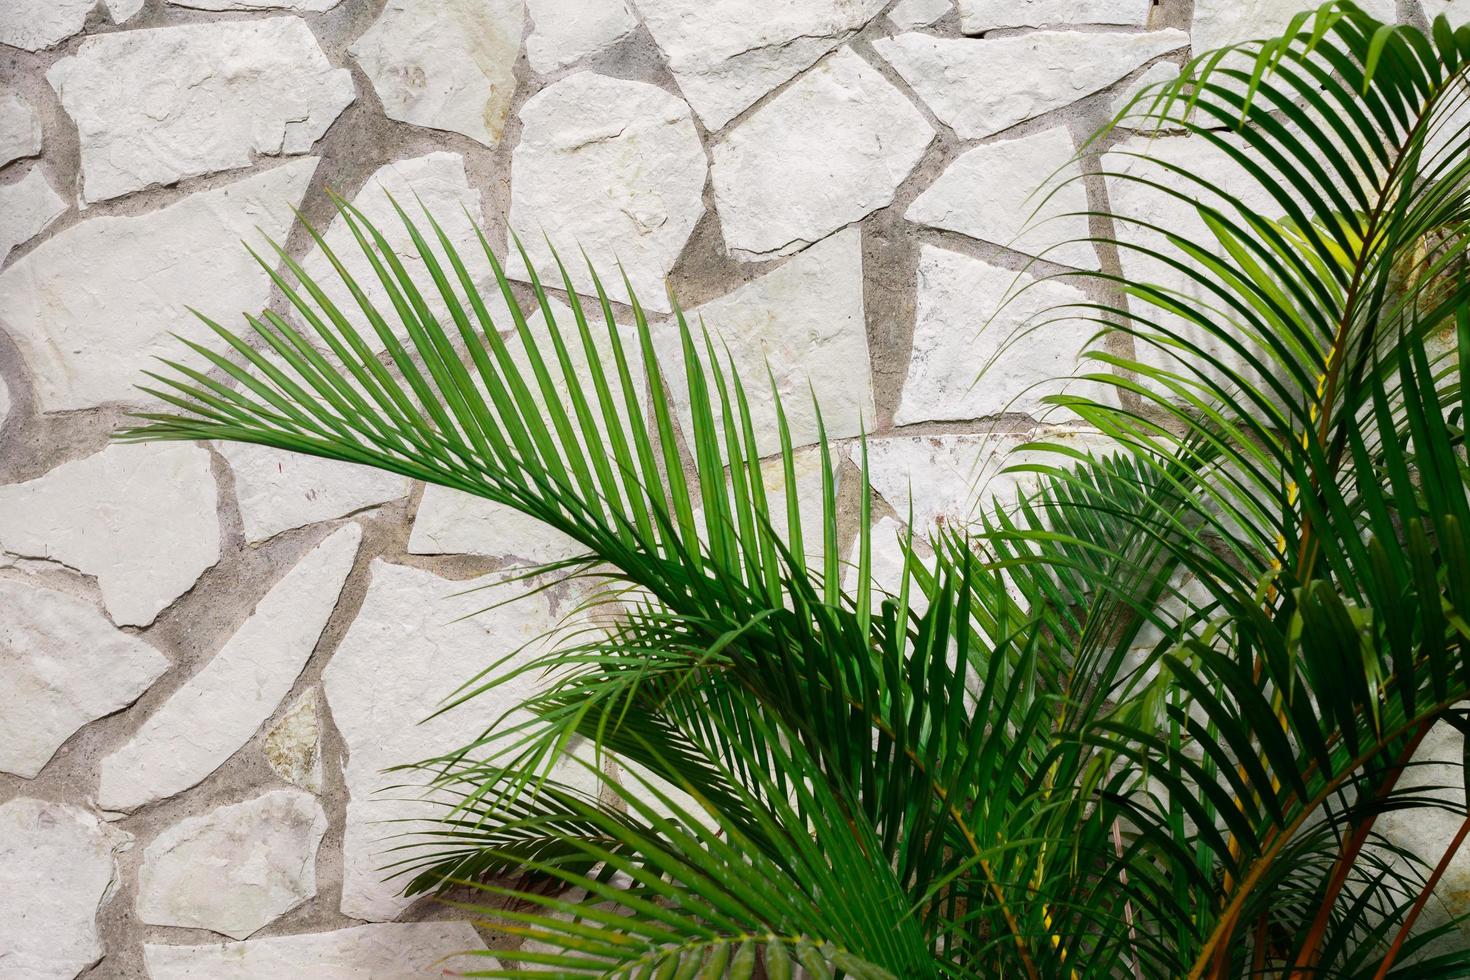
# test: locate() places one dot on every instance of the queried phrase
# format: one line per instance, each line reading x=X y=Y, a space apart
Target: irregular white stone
x=566 y=31
x=887 y=564
x=909 y=14
x=988 y=341
x=980 y=87
x=221 y=706
x=615 y=168
x=37 y=24
x=20 y=129
x=1458 y=11
x=301 y=6
x=390 y=951
x=977 y=16
x=231 y=90
x=724 y=59
x=122 y=11
x=827 y=151
x=140 y=518
x=280 y=490
x=410 y=648
x=805 y=320
x=1218 y=23
x=57 y=866
x=447 y=65
x=293 y=748
x=62 y=665
x=806 y=465
x=450 y=522
x=93 y=306
x=27 y=208
x=235 y=869
x=1138 y=112
x=1025 y=194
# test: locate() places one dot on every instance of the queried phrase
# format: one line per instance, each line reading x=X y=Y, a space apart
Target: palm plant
x=1143 y=722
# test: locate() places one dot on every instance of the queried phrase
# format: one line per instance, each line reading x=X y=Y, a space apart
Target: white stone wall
x=207 y=654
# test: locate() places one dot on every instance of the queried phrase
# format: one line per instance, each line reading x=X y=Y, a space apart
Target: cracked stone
x=218 y=709
x=977 y=16
x=613 y=167
x=37 y=24
x=293 y=748
x=236 y=868
x=92 y=306
x=829 y=150
x=909 y=14
x=448 y=65
x=232 y=90
x=1047 y=220
x=280 y=490
x=62 y=666
x=20 y=129
x=58 y=864
x=1218 y=23
x=141 y=518
x=724 y=59
x=569 y=30
x=388 y=951
x=27 y=208
x=983 y=86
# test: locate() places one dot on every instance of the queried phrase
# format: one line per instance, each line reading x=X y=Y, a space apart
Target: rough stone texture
x=27 y=208
x=300 y=6
x=62 y=665
x=724 y=59
x=1456 y=10
x=909 y=14
x=278 y=490
x=231 y=90
x=858 y=136
x=391 y=951
x=990 y=342
x=448 y=65
x=235 y=869
x=20 y=129
x=977 y=16
x=92 y=306
x=57 y=865
x=1221 y=22
x=221 y=706
x=37 y=24
x=139 y=518
x=569 y=30
x=1045 y=216
x=985 y=86
x=612 y=167
x=293 y=748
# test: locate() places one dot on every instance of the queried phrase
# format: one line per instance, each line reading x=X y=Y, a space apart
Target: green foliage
x=1141 y=724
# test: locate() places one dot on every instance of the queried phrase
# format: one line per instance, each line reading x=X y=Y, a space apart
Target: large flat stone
x=221 y=707
x=569 y=30
x=280 y=490
x=805 y=321
x=980 y=87
x=37 y=24
x=140 y=518
x=20 y=130
x=909 y=14
x=93 y=306
x=448 y=65
x=1041 y=208
x=829 y=150
x=234 y=869
x=612 y=167
x=232 y=91
x=27 y=208
x=62 y=665
x=725 y=59
x=977 y=16
x=1218 y=23
x=1458 y=11
x=450 y=522
x=57 y=866
x=391 y=951
x=989 y=342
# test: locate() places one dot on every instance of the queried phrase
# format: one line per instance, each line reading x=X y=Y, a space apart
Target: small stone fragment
x=1218 y=23
x=988 y=342
x=235 y=869
x=829 y=150
x=909 y=14
x=388 y=951
x=122 y=11
x=234 y=89
x=978 y=16
x=91 y=307
x=447 y=65
x=27 y=208
x=293 y=748
x=220 y=707
x=20 y=129
x=57 y=866
x=141 y=518
x=280 y=490
x=1042 y=210
x=725 y=59
x=612 y=167
x=4 y=402
x=62 y=665
x=984 y=86
x=37 y=24
x=569 y=30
